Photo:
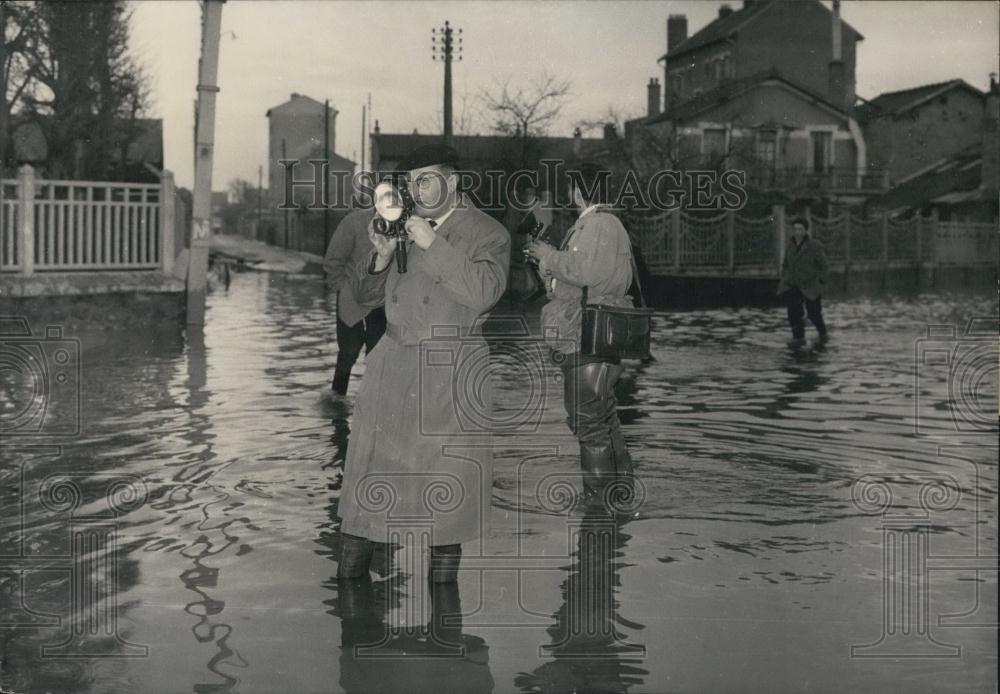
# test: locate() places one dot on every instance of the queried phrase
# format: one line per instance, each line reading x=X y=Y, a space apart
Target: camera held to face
x=536 y=234
x=393 y=206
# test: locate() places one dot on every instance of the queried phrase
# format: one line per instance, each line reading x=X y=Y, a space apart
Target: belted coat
x=596 y=254
x=420 y=455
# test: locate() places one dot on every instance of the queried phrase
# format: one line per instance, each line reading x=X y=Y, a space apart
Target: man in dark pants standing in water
x=356 y=326
x=802 y=273
x=596 y=254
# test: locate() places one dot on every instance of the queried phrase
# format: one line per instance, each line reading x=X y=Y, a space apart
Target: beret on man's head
x=429 y=155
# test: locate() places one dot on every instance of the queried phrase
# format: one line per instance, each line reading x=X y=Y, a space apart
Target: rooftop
x=722 y=28
x=730 y=89
x=478 y=148
x=950 y=179
x=900 y=101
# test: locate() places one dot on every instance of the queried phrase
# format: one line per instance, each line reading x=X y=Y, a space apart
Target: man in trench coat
x=420 y=458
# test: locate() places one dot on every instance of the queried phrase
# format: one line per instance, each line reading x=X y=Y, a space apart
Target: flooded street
x=818 y=520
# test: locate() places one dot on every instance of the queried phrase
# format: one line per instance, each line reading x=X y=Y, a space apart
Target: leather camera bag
x=617 y=332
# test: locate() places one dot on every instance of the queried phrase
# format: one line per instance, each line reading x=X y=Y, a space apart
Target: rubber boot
x=446 y=617
x=444 y=563
x=621 y=496
x=623 y=460
x=598 y=466
x=355 y=556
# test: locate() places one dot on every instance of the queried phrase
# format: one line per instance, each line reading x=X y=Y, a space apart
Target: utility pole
x=448 y=48
x=284 y=155
x=363 y=115
x=260 y=185
x=326 y=178
x=208 y=68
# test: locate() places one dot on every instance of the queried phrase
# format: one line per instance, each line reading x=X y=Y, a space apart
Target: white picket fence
x=73 y=226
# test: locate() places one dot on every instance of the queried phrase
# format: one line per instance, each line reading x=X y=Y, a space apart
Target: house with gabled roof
x=961 y=186
x=910 y=129
x=767 y=89
x=808 y=43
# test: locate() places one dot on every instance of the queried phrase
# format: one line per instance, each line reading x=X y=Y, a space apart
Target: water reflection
x=803 y=373
x=590 y=649
x=747 y=451
x=436 y=656
x=202 y=578
x=376 y=655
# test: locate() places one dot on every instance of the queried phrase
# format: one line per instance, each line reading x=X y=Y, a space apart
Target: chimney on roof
x=836 y=86
x=378 y=130
x=725 y=11
x=294 y=95
x=610 y=133
x=577 y=141
x=677 y=31
x=653 y=97
x=990 y=182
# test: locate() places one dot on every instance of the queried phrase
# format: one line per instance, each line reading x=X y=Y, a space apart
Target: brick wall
x=918 y=138
x=797 y=39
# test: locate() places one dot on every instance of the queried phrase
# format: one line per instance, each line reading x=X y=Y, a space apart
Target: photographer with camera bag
x=411 y=452
x=587 y=279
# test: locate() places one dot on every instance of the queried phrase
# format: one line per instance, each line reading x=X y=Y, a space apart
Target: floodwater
x=820 y=520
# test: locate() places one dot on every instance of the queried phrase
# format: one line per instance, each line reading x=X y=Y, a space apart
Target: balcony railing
x=802 y=179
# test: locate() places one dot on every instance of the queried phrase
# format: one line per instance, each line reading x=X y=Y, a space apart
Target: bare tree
x=525 y=114
x=469 y=119
x=87 y=90
x=639 y=147
x=526 y=111
x=16 y=21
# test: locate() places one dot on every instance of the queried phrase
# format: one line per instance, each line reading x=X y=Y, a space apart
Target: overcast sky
x=343 y=51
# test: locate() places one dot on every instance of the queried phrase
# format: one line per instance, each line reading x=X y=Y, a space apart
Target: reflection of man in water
x=436 y=657
x=802 y=274
x=589 y=650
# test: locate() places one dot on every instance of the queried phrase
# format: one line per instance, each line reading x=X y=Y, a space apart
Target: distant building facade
x=962 y=185
x=911 y=129
x=296 y=131
x=801 y=38
x=769 y=89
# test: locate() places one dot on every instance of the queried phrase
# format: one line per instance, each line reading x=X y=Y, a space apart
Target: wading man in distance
x=414 y=452
x=596 y=254
x=802 y=275
x=356 y=327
